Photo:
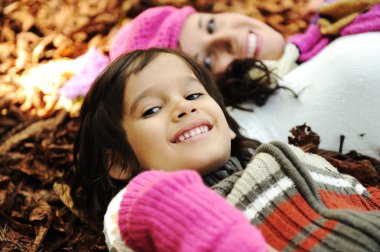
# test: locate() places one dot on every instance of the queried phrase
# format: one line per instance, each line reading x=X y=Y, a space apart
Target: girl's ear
x=232 y=134
x=116 y=168
x=117 y=172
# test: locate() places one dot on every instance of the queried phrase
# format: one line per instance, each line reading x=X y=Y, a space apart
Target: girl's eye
x=151 y=111
x=193 y=96
x=211 y=26
x=207 y=62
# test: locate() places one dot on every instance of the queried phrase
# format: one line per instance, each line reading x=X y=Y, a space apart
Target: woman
x=209 y=38
x=217 y=40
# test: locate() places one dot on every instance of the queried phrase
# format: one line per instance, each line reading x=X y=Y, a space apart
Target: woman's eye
x=211 y=26
x=193 y=96
x=151 y=111
x=207 y=62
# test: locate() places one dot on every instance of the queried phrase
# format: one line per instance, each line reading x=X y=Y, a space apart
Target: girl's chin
x=204 y=171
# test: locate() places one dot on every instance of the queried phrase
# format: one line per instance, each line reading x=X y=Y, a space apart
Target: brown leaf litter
x=38 y=41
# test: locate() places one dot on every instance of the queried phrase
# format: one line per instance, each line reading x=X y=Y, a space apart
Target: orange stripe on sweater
x=375 y=192
x=334 y=200
x=320 y=233
x=280 y=226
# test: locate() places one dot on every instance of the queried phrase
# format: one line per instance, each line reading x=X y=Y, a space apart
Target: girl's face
x=215 y=40
x=171 y=121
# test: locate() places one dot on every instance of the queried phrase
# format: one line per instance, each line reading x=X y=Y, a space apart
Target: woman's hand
x=311 y=8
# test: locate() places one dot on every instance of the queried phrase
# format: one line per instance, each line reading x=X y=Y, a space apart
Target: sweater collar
x=231 y=167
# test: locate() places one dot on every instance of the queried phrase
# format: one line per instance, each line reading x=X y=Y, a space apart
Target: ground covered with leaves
x=39 y=40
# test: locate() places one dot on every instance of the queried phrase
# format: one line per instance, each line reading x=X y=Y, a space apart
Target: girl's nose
x=182 y=114
x=183 y=109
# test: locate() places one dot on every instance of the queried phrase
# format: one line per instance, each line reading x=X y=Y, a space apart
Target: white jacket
x=339 y=94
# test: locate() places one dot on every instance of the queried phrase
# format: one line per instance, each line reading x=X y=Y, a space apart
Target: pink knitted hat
x=155 y=27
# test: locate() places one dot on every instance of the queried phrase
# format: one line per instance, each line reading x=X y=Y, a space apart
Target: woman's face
x=172 y=123
x=215 y=40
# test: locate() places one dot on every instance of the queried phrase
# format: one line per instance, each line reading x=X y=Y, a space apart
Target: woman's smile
x=253 y=46
x=231 y=36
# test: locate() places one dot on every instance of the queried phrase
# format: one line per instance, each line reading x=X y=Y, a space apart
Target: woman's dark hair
x=238 y=86
x=101 y=142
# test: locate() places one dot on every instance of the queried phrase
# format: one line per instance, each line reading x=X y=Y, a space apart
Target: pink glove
x=92 y=63
x=366 y=22
x=175 y=211
x=309 y=43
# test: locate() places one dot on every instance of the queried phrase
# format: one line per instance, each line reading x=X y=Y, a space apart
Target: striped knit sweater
x=297 y=200
x=300 y=202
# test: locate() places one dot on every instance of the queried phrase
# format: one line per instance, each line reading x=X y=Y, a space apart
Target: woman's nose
x=223 y=42
x=225 y=49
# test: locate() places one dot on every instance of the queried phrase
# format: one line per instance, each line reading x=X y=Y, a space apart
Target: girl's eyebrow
x=188 y=79
x=138 y=98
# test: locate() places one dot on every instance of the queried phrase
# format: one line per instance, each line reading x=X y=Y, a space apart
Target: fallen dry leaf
x=364 y=168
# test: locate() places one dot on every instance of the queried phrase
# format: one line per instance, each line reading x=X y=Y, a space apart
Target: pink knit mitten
x=175 y=211
x=365 y=22
x=309 y=43
x=92 y=63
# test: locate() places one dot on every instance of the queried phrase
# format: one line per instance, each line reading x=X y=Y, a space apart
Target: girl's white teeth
x=197 y=131
x=181 y=138
x=192 y=133
x=252 y=43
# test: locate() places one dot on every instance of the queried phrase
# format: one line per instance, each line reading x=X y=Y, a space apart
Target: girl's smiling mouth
x=192 y=132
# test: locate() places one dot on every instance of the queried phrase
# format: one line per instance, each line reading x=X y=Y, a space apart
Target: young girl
x=154 y=121
x=132 y=106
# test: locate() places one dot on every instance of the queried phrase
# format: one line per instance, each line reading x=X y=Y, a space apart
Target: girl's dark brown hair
x=238 y=87
x=101 y=142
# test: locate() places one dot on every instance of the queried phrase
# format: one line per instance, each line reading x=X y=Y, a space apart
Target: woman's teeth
x=196 y=131
x=252 y=43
